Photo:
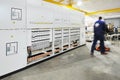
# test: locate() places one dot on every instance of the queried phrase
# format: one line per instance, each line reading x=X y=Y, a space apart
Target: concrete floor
x=74 y=65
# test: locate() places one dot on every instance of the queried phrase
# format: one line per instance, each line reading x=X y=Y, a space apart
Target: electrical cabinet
x=74 y=37
x=13 y=52
x=41 y=44
x=47 y=42
x=29 y=34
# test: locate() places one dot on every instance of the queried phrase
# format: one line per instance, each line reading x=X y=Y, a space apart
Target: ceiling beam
x=52 y=1
x=103 y=11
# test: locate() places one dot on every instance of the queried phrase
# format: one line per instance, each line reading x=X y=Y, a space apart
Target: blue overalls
x=99 y=29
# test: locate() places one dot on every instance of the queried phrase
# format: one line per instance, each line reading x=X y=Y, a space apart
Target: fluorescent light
x=79 y=3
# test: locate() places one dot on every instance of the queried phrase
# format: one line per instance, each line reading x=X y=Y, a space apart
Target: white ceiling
x=109 y=8
x=97 y=5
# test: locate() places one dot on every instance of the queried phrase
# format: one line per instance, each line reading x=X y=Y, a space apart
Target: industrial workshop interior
x=52 y=40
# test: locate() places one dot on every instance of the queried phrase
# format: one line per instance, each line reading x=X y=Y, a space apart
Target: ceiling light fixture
x=79 y=3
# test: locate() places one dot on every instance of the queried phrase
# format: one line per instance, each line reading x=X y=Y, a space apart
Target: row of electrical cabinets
x=28 y=33
x=47 y=42
x=16 y=53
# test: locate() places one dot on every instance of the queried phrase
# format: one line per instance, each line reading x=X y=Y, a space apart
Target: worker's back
x=99 y=27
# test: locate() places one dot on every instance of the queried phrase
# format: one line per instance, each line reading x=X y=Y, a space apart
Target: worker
x=99 y=31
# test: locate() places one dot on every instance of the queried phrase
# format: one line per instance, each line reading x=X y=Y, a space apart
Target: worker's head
x=100 y=18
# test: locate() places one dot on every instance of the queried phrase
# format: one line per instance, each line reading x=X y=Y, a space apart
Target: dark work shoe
x=92 y=55
x=104 y=53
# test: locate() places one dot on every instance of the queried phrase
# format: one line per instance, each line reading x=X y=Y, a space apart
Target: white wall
x=89 y=21
x=114 y=21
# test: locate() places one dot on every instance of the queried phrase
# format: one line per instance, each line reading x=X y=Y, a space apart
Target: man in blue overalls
x=99 y=30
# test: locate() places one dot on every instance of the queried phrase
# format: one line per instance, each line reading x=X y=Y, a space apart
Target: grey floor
x=74 y=65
